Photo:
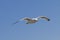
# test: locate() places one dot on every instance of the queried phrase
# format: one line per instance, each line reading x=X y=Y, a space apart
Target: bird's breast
x=33 y=21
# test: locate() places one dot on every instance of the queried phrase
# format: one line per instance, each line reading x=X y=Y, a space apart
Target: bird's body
x=33 y=20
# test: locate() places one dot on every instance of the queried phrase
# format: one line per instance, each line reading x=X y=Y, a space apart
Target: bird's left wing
x=27 y=19
x=16 y=21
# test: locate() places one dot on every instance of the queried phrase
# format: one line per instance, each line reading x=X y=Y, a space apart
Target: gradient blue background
x=13 y=10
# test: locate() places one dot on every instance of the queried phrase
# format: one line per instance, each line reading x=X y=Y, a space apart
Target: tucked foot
x=27 y=23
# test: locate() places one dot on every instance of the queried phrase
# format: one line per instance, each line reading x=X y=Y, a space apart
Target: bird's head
x=34 y=18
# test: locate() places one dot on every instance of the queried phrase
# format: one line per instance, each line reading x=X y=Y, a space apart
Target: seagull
x=33 y=20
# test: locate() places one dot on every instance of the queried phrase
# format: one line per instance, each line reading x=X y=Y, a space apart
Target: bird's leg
x=27 y=23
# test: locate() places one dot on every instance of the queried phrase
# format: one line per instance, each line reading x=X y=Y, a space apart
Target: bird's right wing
x=45 y=18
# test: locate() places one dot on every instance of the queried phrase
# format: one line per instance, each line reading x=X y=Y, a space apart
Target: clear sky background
x=13 y=10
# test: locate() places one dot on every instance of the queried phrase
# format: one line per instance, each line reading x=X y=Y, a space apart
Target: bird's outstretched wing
x=16 y=21
x=45 y=18
x=27 y=19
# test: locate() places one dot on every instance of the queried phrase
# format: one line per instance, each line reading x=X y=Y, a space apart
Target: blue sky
x=12 y=10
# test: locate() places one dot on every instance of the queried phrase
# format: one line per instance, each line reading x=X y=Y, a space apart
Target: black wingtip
x=48 y=19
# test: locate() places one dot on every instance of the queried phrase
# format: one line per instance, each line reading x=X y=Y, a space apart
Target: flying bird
x=32 y=20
